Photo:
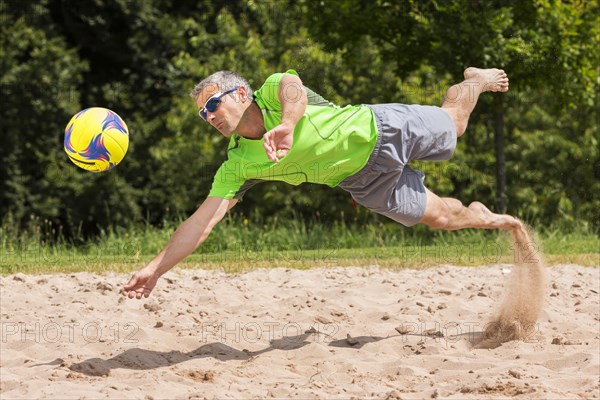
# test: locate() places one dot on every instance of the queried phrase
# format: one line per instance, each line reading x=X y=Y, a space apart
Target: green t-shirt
x=330 y=144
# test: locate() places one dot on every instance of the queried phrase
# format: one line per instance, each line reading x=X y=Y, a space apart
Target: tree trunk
x=499 y=128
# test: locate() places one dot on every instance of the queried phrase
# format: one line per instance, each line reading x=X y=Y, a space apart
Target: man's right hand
x=141 y=284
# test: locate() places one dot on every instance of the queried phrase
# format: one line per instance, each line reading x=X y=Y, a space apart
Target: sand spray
x=524 y=295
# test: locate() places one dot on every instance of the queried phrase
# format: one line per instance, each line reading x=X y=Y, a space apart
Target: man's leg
x=460 y=99
x=459 y=102
x=448 y=213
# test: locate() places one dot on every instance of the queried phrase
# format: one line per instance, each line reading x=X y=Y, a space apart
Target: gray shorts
x=386 y=184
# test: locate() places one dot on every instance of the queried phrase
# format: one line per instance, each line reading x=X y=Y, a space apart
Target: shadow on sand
x=143 y=359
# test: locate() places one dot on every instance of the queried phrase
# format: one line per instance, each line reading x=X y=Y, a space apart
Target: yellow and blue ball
x=96 y=139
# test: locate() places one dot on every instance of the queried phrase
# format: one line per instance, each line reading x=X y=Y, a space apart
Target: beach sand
x=339 y=332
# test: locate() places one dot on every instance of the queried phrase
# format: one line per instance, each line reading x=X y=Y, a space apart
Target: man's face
x=229 y=112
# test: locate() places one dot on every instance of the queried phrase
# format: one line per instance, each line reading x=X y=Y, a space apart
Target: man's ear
x=243 y=93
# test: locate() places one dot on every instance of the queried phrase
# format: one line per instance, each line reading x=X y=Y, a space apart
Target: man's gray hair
x=224 y=80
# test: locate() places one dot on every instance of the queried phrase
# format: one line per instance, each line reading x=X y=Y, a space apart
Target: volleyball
x=96 y=139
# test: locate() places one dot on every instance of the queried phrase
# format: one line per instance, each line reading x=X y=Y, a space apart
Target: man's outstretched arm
x=293 y=99
x=188 y=236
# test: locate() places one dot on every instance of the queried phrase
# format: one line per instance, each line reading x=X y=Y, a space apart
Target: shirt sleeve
x=269 y=91
x=227 y=181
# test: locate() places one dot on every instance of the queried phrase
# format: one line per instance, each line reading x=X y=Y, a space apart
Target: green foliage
x=142 y=57
x=550 y=51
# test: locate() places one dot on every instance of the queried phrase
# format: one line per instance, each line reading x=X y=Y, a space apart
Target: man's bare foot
x=491 y=220
x=492 y=79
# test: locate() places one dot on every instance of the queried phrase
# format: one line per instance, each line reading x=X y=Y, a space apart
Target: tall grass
x=39 y=247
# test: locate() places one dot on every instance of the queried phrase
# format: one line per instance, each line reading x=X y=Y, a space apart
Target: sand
x=285 y=333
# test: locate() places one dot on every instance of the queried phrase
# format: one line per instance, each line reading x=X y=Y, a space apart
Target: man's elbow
x=304 y=97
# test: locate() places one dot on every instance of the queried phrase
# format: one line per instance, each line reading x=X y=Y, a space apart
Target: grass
x=240 y=245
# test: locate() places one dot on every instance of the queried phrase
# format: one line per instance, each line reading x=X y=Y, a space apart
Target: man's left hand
x=278 y=141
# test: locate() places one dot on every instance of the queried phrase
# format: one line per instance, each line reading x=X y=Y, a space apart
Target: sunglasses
x=213 y=103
